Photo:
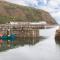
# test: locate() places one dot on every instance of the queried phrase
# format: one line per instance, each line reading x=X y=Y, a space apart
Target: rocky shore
x=57 y=35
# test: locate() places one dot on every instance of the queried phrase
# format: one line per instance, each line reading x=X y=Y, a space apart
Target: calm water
x=46 y=49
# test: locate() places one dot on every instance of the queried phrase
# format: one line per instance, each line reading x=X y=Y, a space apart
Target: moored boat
x=8 y=37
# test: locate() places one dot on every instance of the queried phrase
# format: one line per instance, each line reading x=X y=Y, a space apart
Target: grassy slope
x=13 y=12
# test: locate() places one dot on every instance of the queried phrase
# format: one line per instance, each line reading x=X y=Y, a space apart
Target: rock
x=57 y=35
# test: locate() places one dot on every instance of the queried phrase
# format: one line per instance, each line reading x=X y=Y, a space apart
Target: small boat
x=10 y=37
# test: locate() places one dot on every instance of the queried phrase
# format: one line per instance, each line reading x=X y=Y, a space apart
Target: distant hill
x=13 y=12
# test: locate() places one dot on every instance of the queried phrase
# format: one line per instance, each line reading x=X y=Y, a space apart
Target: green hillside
x=12 y=12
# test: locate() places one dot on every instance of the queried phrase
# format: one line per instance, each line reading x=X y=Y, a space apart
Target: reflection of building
x=27 y=41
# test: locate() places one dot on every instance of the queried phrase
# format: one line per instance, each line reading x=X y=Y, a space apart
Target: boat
x=10 y=37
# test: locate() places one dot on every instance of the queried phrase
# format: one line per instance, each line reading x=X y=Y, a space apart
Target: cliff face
x=10 y=12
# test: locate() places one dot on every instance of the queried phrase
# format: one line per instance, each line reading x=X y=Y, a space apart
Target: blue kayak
x=4 y=37
x=12 y=37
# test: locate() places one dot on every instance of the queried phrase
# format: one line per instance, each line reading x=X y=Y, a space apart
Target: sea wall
x=26 y=33
x=19 y=31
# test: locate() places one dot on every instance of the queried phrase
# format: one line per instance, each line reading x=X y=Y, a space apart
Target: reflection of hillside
x=23 y=41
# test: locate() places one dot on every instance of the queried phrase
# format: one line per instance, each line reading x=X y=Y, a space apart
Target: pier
x=22 y=29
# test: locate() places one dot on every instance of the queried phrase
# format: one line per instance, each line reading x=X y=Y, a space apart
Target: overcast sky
x=52 y=6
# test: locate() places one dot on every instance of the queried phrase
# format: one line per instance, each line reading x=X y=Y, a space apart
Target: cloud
x=56 y=16
x=53 y=4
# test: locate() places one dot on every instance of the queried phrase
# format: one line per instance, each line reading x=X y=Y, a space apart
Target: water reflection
x=40 y=50
x=9 y=44
x=29 y=41
x=6 y=44
x=57 y=42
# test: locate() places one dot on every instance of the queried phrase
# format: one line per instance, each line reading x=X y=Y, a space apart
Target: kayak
x=10 y=37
